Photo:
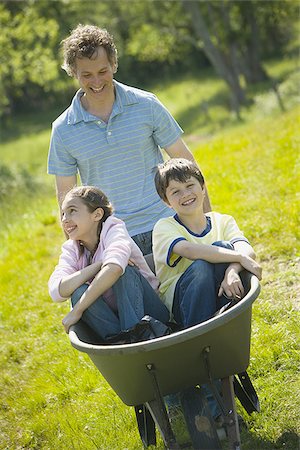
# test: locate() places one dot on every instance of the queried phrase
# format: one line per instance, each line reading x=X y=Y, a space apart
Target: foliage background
x=156 y=39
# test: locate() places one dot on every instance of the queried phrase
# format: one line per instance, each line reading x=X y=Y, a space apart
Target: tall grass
x=51 y=396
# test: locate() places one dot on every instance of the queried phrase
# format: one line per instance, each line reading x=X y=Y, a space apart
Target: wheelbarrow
x=143 y=373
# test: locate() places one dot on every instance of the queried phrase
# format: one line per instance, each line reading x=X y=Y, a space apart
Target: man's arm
x=180 y=150
x=63 y=185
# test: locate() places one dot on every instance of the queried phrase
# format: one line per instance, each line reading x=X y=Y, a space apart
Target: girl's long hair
x=93 y=198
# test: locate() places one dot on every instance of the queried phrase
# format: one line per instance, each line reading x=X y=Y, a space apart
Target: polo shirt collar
x=76 y=112
x=125 y=96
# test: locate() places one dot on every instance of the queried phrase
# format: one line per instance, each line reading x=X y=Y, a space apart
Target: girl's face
x=79 y=223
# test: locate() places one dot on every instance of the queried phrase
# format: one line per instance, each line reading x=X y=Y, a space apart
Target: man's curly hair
x=83 y=42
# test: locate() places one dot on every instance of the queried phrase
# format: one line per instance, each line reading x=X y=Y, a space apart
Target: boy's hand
x=70 y=319
x=251 y=265
x=231 y=286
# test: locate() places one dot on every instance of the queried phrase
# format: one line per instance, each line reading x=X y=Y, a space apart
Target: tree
x=223 y=61
x=251 y=47
x=27 y=55
x=234 y=35
x=153 y=37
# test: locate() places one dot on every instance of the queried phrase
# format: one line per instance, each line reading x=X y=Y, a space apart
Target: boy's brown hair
x=178 y=169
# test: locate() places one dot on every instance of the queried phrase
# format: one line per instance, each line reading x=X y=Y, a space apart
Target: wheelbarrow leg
x=158 y=411
x=146 y=425
x=246 y=393
x=231 y=420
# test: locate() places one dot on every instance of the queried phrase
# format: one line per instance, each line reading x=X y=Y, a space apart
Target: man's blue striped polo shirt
x=120 y=156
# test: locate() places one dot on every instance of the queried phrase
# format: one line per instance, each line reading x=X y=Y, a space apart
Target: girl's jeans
x=135 y=298
x=196 y=300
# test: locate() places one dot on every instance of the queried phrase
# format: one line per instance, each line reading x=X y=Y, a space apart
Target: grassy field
x=51 y=396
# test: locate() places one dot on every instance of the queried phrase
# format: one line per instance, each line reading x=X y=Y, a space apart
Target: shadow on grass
x=216 y=112
x=289 y=440
x=202 y=115
x=267 y=85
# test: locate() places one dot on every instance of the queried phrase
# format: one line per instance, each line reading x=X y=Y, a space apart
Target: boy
x=198 y=256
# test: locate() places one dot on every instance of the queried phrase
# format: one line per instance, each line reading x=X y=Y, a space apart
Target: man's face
x=95 y=75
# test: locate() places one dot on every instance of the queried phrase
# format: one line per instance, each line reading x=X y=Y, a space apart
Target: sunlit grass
x=28 y=151
x=253 y=172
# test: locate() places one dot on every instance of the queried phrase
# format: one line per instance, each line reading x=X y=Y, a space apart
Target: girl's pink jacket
x=115 y=246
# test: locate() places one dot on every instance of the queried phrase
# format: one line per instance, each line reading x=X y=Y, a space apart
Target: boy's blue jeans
x=196 y=293
x=135 y=298
x=196 y=300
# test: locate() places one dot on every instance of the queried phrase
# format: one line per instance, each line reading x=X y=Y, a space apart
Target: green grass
x=51 y=396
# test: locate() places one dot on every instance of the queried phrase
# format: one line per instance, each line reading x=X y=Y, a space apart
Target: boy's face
x=185 y=197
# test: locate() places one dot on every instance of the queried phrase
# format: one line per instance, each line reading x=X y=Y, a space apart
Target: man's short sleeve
x=166 y=129
x=60 y=162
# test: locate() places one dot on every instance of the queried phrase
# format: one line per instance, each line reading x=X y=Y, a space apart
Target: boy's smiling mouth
x=188 y=202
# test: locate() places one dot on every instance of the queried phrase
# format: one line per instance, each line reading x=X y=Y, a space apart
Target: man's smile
x=97 y=90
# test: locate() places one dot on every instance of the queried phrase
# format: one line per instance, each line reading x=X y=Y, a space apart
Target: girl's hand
x=251 y=265
x=231 y=286
x=70 y=319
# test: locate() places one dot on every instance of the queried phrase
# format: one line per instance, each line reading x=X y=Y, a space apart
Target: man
x=112 y=134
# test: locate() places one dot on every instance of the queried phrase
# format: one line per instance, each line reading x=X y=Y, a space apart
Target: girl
x=106 y=292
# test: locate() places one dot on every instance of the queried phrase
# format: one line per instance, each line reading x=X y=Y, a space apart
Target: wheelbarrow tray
x=178 y=359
